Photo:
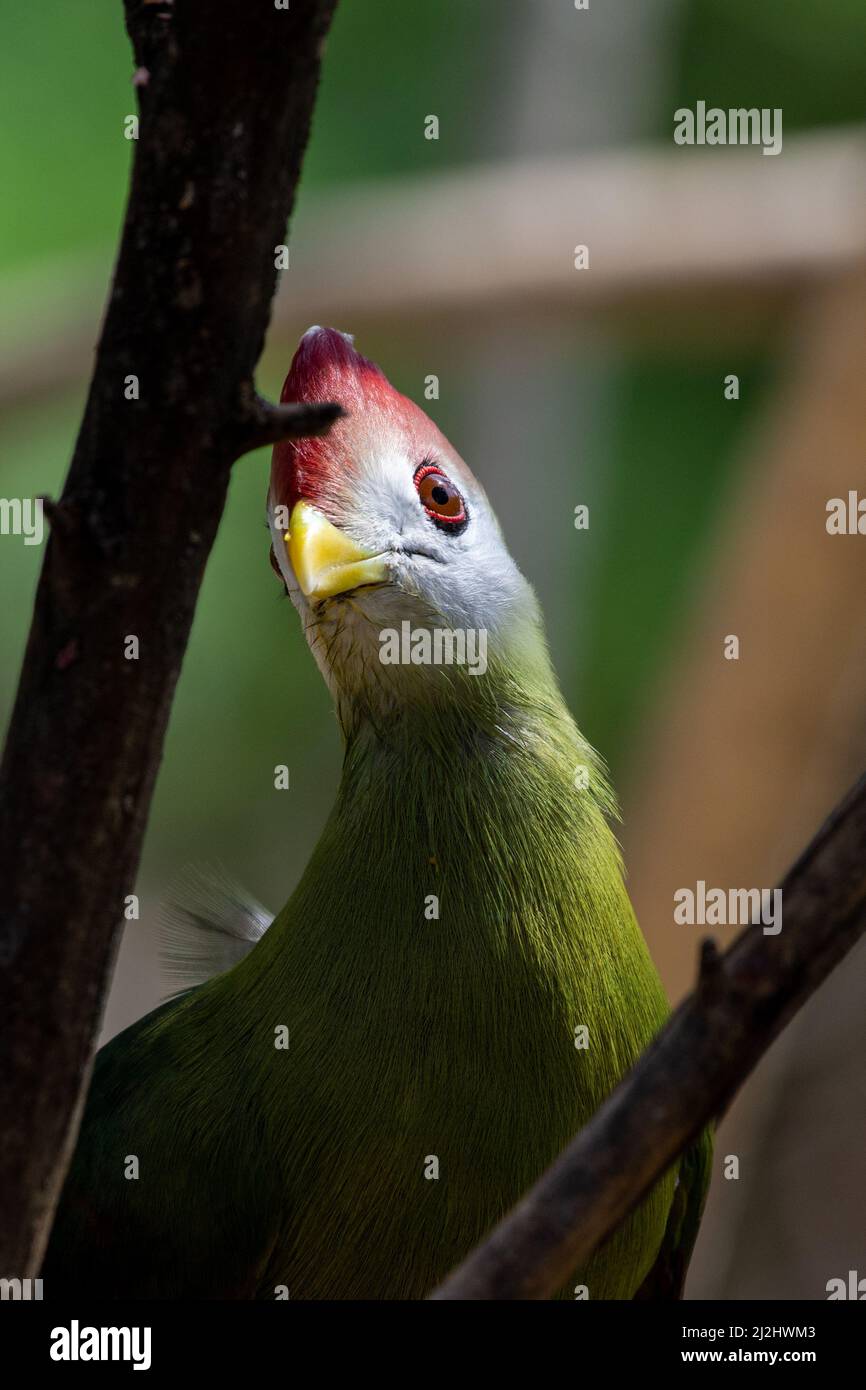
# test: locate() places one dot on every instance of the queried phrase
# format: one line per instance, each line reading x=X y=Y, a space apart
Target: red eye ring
x=439 y=497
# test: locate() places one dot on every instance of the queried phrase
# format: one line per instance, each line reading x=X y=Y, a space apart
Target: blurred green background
x=643 y=435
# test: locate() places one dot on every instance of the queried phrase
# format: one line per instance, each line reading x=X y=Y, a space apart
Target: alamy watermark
x=77 y=1343
x=438 y=646
x=737 y=126
x=851 y=1288
x=23 y=516
x=719 y=907
x=21 y=1290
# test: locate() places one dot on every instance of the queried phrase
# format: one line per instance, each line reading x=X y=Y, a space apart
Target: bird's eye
x=439 y=497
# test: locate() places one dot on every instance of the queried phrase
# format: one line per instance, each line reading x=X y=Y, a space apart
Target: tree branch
x=268 y=424
x=226 y=90
x=686 y=1078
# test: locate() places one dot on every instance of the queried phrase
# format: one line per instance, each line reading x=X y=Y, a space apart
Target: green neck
x=462 y=915
x=475 y=799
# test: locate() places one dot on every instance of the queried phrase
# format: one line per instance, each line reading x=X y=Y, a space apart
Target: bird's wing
x=206 y=925
x=668 y=1275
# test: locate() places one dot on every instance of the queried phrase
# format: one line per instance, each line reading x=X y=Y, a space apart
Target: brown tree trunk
x=226 y=91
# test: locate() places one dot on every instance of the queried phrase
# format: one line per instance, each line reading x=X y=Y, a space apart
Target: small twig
x=686 y=1078
x=58 y=516
x=710 y=971
x=268 y=424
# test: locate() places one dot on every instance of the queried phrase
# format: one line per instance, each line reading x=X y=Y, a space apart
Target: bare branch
x=225 y=91
x=686 y=1078
x=268 y=424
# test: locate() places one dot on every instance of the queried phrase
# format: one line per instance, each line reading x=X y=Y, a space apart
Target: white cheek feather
x=387 y=500
x=472 y=584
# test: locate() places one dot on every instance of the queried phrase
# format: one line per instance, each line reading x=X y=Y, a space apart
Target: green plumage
x=410 y=1037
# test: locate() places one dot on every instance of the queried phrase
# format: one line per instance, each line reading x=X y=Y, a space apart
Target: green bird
x=458 y=980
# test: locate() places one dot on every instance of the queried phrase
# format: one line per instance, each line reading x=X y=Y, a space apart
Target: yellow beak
x=325 y=561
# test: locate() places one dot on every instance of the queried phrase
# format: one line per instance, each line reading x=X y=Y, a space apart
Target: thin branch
x=686 y=1078
x=226 y=92
x=268 y=424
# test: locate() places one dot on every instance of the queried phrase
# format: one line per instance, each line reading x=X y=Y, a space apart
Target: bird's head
x=380 y=524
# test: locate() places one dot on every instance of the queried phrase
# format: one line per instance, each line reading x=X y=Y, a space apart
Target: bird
x=366 y=1084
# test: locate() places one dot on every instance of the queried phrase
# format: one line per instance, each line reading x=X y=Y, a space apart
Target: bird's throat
x=455 y=826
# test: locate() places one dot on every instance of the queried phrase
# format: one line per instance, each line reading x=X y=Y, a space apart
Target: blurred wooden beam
x=744 y=755
x=684 y=245
x=741 y=757
x=656 y=221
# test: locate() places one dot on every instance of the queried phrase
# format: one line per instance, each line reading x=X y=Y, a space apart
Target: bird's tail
x=207 y=923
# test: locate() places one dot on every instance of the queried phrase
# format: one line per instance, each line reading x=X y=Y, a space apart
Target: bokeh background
x=454 y=257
